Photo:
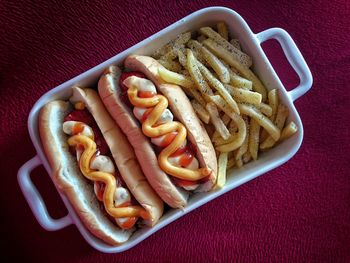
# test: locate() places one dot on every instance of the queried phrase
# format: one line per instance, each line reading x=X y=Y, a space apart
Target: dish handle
x=294 y=58
x=35 y=200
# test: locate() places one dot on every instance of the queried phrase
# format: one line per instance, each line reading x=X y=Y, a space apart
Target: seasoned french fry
x=237 y=54
x=182 y=39
x=254 y=133
x=264 y=108
x=263 y=121
x=223 y=105
x=216 y=121
x=182 y=57
x=174 y=44
x=171 y=55
x=243 y=70
x=201 y=84
x=170 y=65
x=201 y=112
x=222 y=166
x=240 y=82
x=245 y=96
x=288 y=131
x=195 y=46
x=211 y=60
x=281 y=116
x=273 y=102
x=216 y=84
x=175 y=78
x=222 y=30
x=244 y=147
x=225 y=119
x=198 y=97
x=235 y=42
x=235 y=140
x=216 y=65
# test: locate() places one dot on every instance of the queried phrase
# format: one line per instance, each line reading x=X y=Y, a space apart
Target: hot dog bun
x=109 y=91
x=180 y=106
x=182 y=109
x=79 y=190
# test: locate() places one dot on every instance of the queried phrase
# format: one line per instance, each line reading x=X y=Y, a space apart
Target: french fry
x=235 y=140
x=237 y=54
x=222 y=30
x=182 y=39
x=175 y=78
x=211 y=60
x=273 y=102
x=254 y=134
x=244 y=147
x=281 y=116
x=182 y=57
x=240 y=82
x=245 y=96
x=198 y=97
x=216 y=121
x=225 y=119
x=264 y=108
x=222 y=166
x=216 y=65
x=171 y=55
x=290 y=129
x=201 y=112
x=179 y=41
x=216 y=84
x=170 y=64
x=223 y=105
x=222 y=53
x=235 y=42
x=263 y=121
x=201 y=84
x=195 y=46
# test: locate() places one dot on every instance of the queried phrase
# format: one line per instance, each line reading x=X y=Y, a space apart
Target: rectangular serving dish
x=250 y=43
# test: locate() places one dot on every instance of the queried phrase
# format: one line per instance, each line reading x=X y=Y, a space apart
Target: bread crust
x=182 y=109
x=109 y=91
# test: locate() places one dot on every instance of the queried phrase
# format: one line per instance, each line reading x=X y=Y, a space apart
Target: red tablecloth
x=298 y=212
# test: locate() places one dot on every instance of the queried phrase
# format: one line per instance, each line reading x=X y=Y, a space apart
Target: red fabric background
x=298 y=212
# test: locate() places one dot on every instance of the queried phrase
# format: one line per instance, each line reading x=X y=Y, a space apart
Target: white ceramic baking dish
x=251 y=44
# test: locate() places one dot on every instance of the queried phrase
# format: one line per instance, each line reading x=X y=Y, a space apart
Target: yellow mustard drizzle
x=108 y=179
x=160 y=103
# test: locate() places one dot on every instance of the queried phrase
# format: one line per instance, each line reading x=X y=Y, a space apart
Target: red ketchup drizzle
x=187 y=151
x=101 y=145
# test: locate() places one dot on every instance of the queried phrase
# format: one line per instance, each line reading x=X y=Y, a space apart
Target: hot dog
x=171 y=144
x=95 y=166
